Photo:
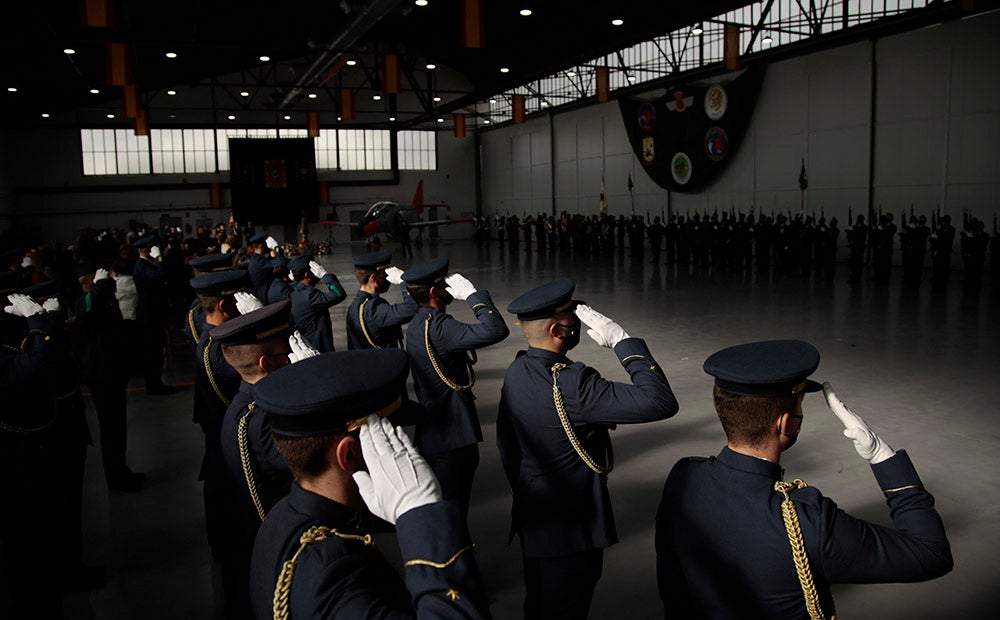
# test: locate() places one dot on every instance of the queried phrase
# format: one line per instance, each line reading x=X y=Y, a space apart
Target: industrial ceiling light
x=697 y=30
x=631 y=78
x=265 y=58
x=617 y=22
x=504 y=70
x=171 y=92
x=767 y=40
x=525 y=12
x=440 y=120
x=431 y=66
x=571 y=74
x=171 y=54
x=111 y=115
x=545 y=104
x=231 y=117
x=493 y=100
x=244 y=93
x=11 y=89
x=287 y=117
x=312 y=95
x=420 y=2
x=392 y=118
x=437 y=99
x=45 y=115
x=486 y=121
x=94 y=91
x=351 y=62
x=376 y=97
x=69 y=50
x=172 y=115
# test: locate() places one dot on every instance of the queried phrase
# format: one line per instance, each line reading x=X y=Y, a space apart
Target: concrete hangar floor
x=921 y=368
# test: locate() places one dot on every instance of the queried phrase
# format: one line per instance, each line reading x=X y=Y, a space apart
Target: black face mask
x=443 y=296
x=791 y=441
x=571 y=335
x=383 y=285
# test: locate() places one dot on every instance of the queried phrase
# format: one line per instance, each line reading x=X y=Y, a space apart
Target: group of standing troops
x=790 y=245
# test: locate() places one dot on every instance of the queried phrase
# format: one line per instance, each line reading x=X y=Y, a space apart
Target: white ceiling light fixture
x=244 y=93
x=111 y=115
x=45 y=114
x=697 y=29
x=486 y=122
x=440 y=120
x=265 y=58
x=525 y=12
x=339 y=118
x=571 y=74
x=631 y=78
x=545 y=104
x=171 y=92
x=617 y=22
x=172 y=115
x=504 y=70
x=94 y=91
x=431 y=66
x=11 y=89
x=376 y=97
x=351 y=62
x=493 y=100
x=231 y=117
x=421 y=2
x=171 y=54
x=312 y=95
x=69 y=50
x=287 y=117
x=437 y=99
x=767 y=40
x=392 y=118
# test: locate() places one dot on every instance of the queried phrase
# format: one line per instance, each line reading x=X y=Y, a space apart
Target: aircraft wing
x=454 y=220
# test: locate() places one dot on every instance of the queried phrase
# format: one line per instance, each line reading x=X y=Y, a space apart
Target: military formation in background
x=785 y=245
x=304 y=453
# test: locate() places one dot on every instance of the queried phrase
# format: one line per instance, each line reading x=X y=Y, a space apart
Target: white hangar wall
x=936 y=128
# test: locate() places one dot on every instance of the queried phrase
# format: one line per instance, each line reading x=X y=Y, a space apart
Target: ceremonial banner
x=686 y=137
x=312 y=124
x=517 y=108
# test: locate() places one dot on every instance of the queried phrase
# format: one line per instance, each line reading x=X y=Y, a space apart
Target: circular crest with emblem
x=716 y=102
x=680 y=168
x=716 y=143
x=647 y=115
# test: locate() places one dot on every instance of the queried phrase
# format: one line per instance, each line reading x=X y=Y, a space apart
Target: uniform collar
x=246 y=388
x=326 y=511
x=750 y=464
x=363 y=295
x=549 y=356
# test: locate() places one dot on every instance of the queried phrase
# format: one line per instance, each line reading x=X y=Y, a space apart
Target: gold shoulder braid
x=244 y=441
x=364 y=329
x=799 y=555
x=570 y=433
x=192 y=326
x=284 y=586
x=437 y=368
x=211 y=375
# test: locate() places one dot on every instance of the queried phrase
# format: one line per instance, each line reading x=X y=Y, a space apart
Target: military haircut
x=747 y=419
x=537 y=330
x=299 y=274
x=420 y=293
x=363 y=274
x=208 y=302
x=306 y=456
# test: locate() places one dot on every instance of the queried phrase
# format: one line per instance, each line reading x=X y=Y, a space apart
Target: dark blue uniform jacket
x=382 y=320
x=311 y=311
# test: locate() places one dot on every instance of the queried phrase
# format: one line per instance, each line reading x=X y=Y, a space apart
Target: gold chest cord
x=568 y=428
x=799 y=555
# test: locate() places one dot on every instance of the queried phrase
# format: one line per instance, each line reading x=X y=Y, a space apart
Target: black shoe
x=83 y=577
x=162 y=390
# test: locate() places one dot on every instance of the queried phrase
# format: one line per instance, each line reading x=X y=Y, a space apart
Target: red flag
x=130 y=100
x=119 y=70
x=472 y=24
x=459 y=125
x=517 y=107
x=391 y=79
x=731 y=47
x=347 y=104
x=312 y=124
x=141 y=123
x=603 y=78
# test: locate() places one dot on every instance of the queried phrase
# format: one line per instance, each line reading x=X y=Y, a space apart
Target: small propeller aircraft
x=389 y=218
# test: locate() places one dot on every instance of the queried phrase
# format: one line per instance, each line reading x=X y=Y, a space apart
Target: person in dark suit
x=263 y=285
x=734 y=540
x=440 y=347
x=151 y=313
x=553 y=436
x=315 y=292
x=316 y=544
x=372 y=322
x=216 y=384
x=194 y=321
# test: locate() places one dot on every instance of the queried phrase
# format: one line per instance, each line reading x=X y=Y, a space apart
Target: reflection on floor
x=920 y=368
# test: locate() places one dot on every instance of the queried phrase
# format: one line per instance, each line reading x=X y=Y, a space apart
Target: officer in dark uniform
x=974 y=243
x=942 y=240
x=373 y=322
x=553 y=436
x=106 y=371
x=195 y=319
x=151 y=313
x=734 y=540
x=255 y=344
x=315 y=292
x=884 y=234
x=216 y=384
x=857 y=239
x=315 y=544
x=261 y=272
x=440 y=348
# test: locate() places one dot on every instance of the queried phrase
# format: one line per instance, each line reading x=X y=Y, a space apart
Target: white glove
x=51 y=305
x=271 y=243
x=869 y=445
x=247 y=303
x=154 y=252
x=300 y=348
x=603 y=330
x=100 y=274
x=317 y=270
x=459 y=286
x=398 y=478
x=27 y=262
x=394 y=275
x=22 y=305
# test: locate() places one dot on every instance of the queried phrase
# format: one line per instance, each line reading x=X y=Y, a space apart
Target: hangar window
x=417 y=150
x=113 y=151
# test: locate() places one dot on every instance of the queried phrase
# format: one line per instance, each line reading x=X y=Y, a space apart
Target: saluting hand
x=459 y=286
x=394 y=275
x=247 y=303
x=23 y=305
x=271 y=243
x=317 y=270
x=603 y=330
x=869 y=445
x=300 y=348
